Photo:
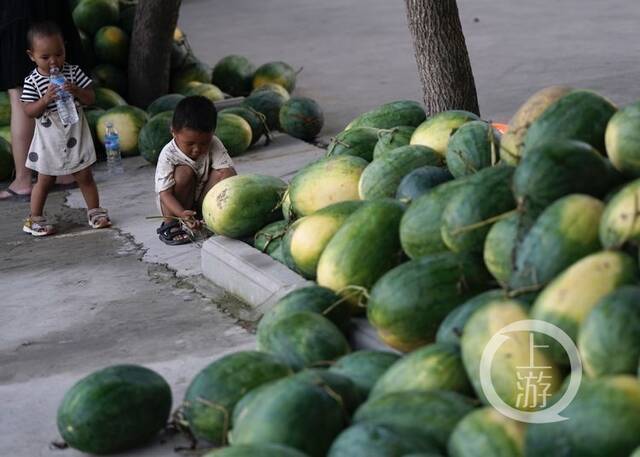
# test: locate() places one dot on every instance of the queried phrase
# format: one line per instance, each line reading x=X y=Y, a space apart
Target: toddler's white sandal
x=38 y=226
x=98 y=218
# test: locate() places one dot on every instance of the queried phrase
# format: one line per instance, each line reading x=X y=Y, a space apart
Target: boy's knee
x=83 y=177
x=184 y=175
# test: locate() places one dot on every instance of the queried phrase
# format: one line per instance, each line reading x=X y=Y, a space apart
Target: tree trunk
x=150 y=54
x=441 y=55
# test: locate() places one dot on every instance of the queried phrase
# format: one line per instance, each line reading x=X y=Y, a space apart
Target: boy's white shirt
x=171 y=156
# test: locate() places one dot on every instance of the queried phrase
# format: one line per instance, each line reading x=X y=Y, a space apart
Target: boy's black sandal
x=173 y=234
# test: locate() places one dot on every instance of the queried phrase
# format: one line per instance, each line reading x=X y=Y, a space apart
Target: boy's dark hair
x=42 y=28
x=195 y=112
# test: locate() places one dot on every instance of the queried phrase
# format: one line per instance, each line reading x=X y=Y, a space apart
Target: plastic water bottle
x=64 y=101
x=112 y=147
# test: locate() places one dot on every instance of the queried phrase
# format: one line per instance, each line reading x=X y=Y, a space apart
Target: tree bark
x=150 y=52
x=441 y=55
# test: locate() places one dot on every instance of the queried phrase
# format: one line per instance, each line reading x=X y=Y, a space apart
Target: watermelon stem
x=225 y=413
x=480 y=224
x=299 y=71
x=359 y=291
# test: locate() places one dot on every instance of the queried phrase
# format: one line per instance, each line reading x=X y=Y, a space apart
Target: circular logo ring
x=551 y=414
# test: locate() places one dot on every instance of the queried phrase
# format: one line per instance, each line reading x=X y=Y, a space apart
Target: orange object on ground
x=502 y=128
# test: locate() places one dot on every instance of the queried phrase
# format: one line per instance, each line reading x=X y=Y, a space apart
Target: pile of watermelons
x=444 y=231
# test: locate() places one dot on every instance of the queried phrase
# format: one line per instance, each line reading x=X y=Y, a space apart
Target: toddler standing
x=56 y=148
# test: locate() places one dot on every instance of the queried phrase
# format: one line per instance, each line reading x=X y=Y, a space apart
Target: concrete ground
x=85 y=299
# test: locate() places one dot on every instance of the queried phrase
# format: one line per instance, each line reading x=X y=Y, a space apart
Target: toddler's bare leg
x=40 y=192
x=88 y=187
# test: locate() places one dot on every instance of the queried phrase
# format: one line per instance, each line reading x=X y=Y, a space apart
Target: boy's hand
x=51 y=94
x=189 y=218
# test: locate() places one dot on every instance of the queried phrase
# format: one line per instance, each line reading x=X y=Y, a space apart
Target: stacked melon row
x=105 y=27
x=447 y=231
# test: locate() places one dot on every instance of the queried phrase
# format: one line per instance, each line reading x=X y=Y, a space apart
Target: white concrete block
x=247 y=273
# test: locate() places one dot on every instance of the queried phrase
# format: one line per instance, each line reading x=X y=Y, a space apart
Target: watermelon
x=432 y=367
x=609 y=337
x=206 y=90
x=301 y=117
x=499 y=246
x=622 y=137
x=558 y=168
x=620 y=223
x=195 y=71
x=267 y=102
x=579 y=115
x=364 y=368
x=154 y=136
x=435 y=412
x=512 y=142
x=472 y=147
x=303 y=339
x=164 y=103
x=636 y=453
x=359 y=142
x=87 y=49
x=269 y=237
x=216 y=389
x=390 y=115
x=306 y=239
x=5 y=133
x=486 y=432
x=287 y=212
x=6 y=160
x=241 y=205
x=256 y=120
x=276 y=73
x=420 y=181
x=114 y=409
x=234 y=132
x=91 y=15
x=604 y=420
x=107 y=98
x=277 y=88
x=382 y=176
x=469 y=214
x=339 y=384
x=128 y=121
x=92 y=116
x=570 y=297
x=421 y=225
x=564 y=233
x=256 y=450
x=452 y=327
x=390 y=139
x=366 y=440
x=311 y=298
x=515 y=352
x=362 y=250
x=111 y=45
x=324 y=182
x=294 y=412
x=436 y=131
x=111 y=77
x=408 y=303
x=181 y=55
x=233 y=74
x=5 y=109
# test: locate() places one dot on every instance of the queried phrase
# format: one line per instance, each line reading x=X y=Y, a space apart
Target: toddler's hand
x=71 y=88
x=51 y=94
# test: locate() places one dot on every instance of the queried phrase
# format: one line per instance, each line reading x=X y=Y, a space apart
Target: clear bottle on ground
x=64 y=101
x=112 y=148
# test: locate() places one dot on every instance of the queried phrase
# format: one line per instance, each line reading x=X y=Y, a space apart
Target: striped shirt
x=36 y=85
